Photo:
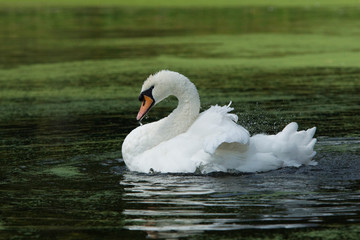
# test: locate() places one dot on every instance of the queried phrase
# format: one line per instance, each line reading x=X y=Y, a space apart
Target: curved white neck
x=152 y=134
x=184 y=115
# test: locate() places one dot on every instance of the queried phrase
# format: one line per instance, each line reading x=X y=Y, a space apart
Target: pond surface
x=69 y=83
x=54 y=181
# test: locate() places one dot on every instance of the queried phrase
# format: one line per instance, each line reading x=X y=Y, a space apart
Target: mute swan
x=186 y=141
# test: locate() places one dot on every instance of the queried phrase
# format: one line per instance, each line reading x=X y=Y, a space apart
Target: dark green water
x=69 y=83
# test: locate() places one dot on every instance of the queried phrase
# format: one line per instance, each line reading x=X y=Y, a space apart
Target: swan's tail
x=299 y=148
x=288 y=148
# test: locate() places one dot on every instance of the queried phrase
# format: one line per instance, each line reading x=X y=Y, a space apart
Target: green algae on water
x=64 y=171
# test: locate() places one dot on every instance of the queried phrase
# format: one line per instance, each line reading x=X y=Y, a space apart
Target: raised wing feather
x=217 y=126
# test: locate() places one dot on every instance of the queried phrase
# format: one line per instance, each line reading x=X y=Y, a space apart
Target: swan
x=187 y=141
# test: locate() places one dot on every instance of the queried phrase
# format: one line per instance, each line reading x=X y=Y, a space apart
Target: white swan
x=186 y=141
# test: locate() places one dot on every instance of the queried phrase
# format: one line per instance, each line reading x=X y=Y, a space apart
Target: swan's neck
x=184 y=115
x=150 y=135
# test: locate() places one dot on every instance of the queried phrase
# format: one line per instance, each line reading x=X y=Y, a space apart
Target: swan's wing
x=218 y=129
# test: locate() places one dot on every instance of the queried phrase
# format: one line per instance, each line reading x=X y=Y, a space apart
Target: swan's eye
x=147 y=92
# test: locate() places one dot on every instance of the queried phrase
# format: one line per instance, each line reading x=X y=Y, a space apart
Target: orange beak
x=146 y=104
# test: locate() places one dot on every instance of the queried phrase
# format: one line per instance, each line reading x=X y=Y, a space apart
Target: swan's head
x=159 y=86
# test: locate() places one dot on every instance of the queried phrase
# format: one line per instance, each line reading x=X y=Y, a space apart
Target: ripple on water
x=170 y=205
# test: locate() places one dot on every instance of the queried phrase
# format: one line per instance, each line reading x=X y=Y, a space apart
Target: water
x=68 y=181
x=168 y=206
x=172 y=206
x=69 y=83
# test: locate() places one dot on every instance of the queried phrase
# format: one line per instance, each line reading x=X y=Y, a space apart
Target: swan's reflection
x=162 y=204
x=172 y=206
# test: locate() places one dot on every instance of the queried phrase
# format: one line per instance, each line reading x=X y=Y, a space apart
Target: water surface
x=70 y=182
